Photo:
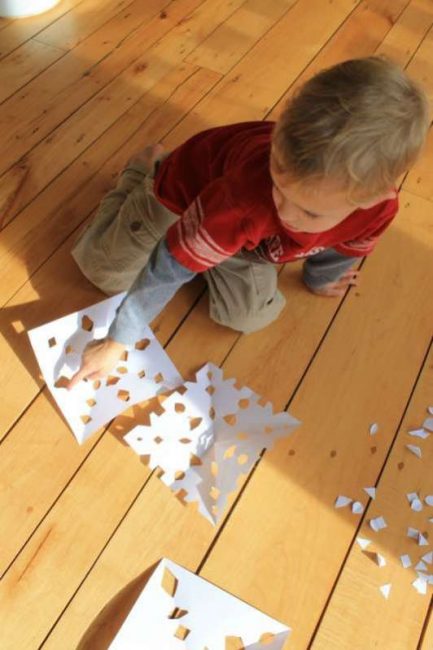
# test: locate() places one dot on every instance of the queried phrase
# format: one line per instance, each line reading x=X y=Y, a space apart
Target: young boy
x=233 y=201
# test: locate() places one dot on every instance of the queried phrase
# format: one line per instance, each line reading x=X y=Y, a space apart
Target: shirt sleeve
x=365 y=243
x=154 y=286
x=209 y=231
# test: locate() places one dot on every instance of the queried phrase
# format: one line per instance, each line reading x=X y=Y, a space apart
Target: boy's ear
x=385 y=196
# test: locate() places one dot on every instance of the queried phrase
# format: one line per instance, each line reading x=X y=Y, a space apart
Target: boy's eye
x=312 y=215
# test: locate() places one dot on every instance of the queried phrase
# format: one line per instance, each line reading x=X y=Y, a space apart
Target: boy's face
x=315 y=206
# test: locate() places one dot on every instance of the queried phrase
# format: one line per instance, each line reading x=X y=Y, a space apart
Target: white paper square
x=229 y=431
x=58 y=347
x=211 y=616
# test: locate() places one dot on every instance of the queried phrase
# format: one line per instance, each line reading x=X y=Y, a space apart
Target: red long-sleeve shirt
x=219 y=183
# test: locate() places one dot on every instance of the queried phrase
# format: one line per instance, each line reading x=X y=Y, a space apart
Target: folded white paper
x=179 y=610
x=208 y=437
x=144 y=371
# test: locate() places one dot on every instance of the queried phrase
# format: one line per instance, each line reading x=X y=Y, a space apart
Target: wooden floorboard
x=396 y=623
x=82 y=88
x=17 y=32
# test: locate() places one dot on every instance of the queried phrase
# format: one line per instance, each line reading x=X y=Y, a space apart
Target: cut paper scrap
x=422 y=540
x=378 y=523
x=413 y=533
x=405 y=561
x=420 y=584
x=428 y=424
x=419 y=433
x=414 y=449
x=380 y=560
x=414 y=501
x=342 y=501
x=377 y=558
x=421 y=566
x=363 y=542
x=385 y=590
x=209 y=434
x=179 y=610
x=144 y=371
x=416 y=505
x=374 y=428
x=371 y=491
x=357 y=507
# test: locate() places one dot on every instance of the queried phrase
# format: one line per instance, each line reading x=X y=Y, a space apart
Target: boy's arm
x=154 y=286
x=329 y=272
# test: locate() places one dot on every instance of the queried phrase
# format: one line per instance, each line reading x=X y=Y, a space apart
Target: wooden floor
x=82 y=88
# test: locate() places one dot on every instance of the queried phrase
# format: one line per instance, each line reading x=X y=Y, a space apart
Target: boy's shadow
x=17 y=319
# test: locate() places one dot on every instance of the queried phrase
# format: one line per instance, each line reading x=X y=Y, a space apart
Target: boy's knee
x=244 y=319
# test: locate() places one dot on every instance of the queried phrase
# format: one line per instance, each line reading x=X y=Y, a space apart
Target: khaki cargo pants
x=129 y=223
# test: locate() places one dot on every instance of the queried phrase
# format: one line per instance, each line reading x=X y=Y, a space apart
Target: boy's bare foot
x=339 y=288
x=148 y=156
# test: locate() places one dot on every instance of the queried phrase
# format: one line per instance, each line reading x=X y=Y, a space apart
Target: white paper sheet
x=204 y=615
x=208 y=437
x=89 y=405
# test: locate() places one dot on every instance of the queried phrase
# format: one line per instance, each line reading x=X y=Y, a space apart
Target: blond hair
x=362 y=122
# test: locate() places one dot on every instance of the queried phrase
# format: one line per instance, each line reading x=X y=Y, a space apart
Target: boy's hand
x=338 y=289
x=99 y=358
